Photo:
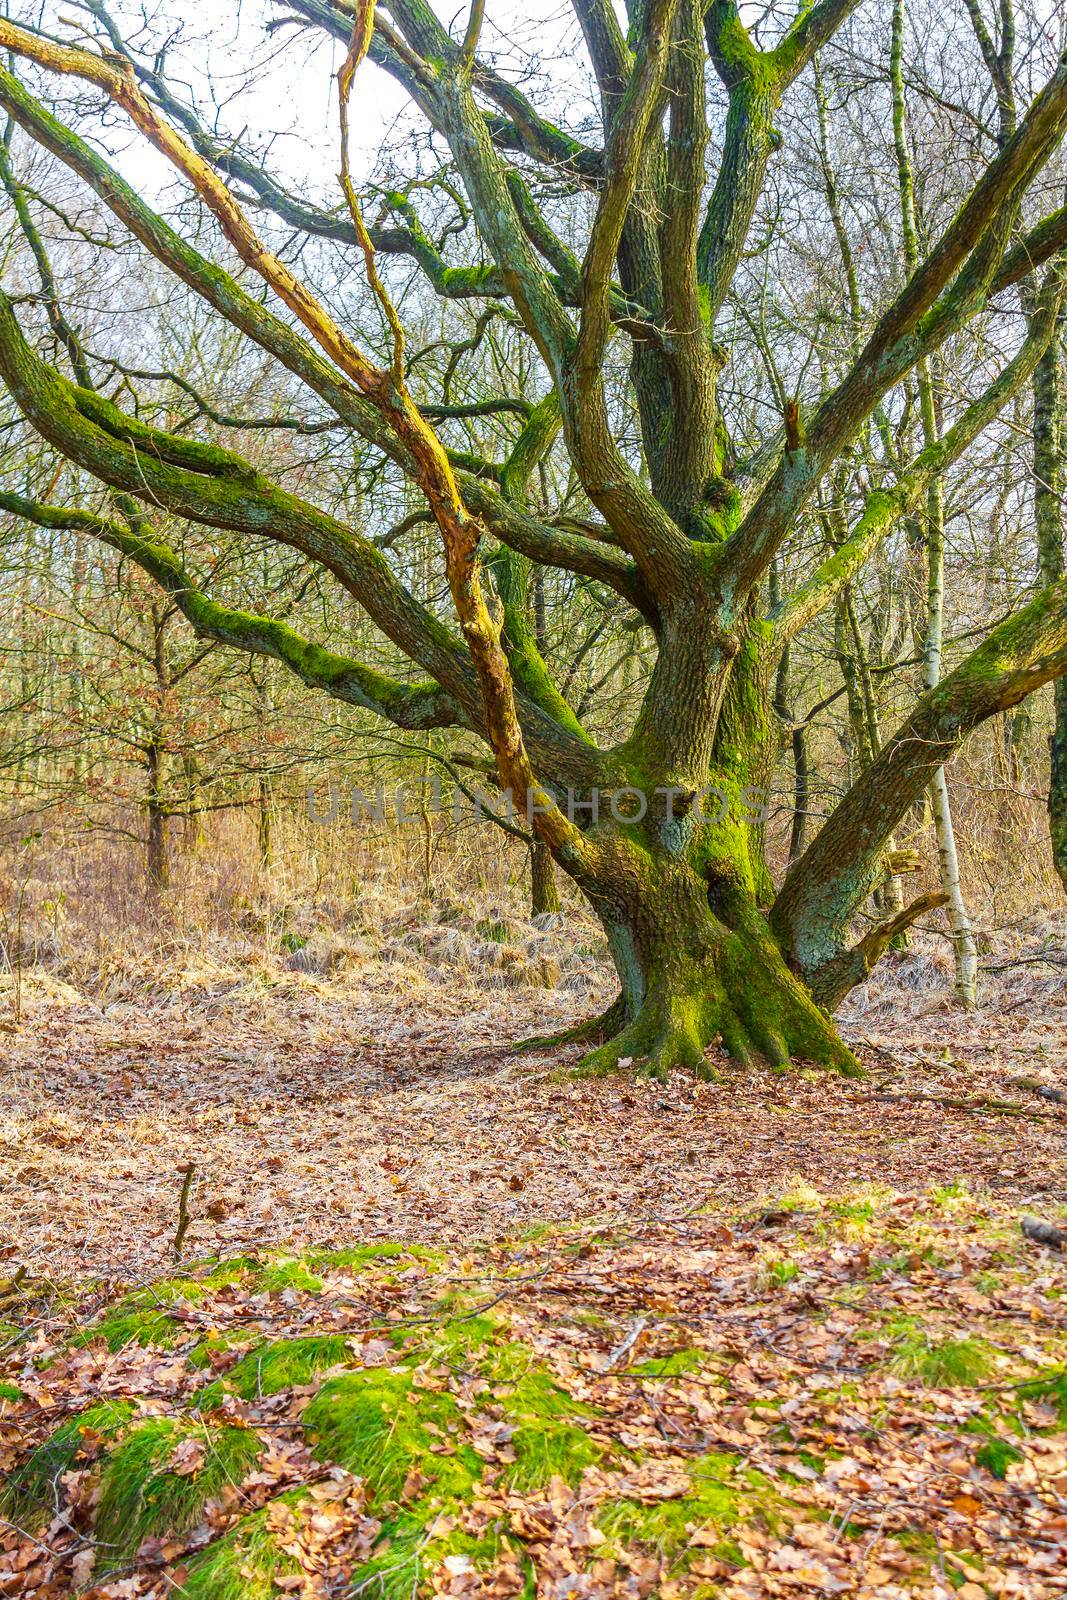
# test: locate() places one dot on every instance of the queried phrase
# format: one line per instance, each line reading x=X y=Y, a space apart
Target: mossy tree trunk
x=696 y=960
x=544 y=891
x=674 y=867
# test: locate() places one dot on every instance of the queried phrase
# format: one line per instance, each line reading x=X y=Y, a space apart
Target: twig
x=637 y=1329
x=1038 y=959
x=994 y=1108
x=183 y=1208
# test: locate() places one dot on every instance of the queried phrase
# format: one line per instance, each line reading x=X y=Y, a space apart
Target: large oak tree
x=684 y=527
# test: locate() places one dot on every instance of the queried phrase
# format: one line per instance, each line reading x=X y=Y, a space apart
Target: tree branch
x=885 y=507
x=915 y=324
x=218 y=488
x=831 y=982
x=755 y=81
x=414 y=706
x=823 y=890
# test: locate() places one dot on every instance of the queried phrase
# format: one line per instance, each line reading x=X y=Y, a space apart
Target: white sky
x=282 y=87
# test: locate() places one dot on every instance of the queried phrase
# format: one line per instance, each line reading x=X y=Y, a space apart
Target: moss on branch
x=823 y=890
x=411 y=706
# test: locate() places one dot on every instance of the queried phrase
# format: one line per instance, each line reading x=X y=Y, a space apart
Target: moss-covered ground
x=864 y=1393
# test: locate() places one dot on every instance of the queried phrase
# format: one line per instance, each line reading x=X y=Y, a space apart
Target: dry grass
x=332 y=899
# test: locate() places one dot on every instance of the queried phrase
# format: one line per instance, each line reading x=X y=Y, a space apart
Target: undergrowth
x=450 y=1428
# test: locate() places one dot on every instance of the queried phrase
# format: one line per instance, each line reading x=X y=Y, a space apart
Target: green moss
x=30 y=1494
x=1048 y=1388
x=858 y=1208
x=146 y=1316
x=737 y=54
x=130 y=1323
x=214 y=1274
x=721 y=1497
x=199 y=1357
x=997 y=1455
x=10 y=1391
x=919 y=1542
x=406 y=1555
x=140 y=1495
x=381 y=1422
x=244 y=1564
x=460 y=282
x=673 y=1365
x=385 y=1423
x=798 y=1196
x=950 y=1196
x=280 y=1275
x=940 y=1363
x=511 y=573
x=270 y=1368
x=548 y=1439
x=467 y=1340
x=369 y=1255
x=379 y=1425
x=538 y=1231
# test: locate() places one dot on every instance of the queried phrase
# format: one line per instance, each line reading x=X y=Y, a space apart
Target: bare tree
x=612 y=258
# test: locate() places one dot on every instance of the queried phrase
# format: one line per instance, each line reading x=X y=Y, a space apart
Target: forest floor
x=532 y=1333
x=378 y=1099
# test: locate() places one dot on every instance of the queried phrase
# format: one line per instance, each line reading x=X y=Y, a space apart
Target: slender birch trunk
x=264 y=794
x=964 y=946
x=157 y=862
x=544 y=891
x=1048 y=522
x=855 y=668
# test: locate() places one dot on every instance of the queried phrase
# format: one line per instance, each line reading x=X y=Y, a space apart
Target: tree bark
x=1049 y=486
x=964 y=946
x=157 y=863
x=544 y=893
x=822 y=891
x=157 y=860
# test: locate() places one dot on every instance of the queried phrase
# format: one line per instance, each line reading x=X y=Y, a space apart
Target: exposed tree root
x=592 y=1029
x=655 y=1043
x=696 y=971
x=676 y=1033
